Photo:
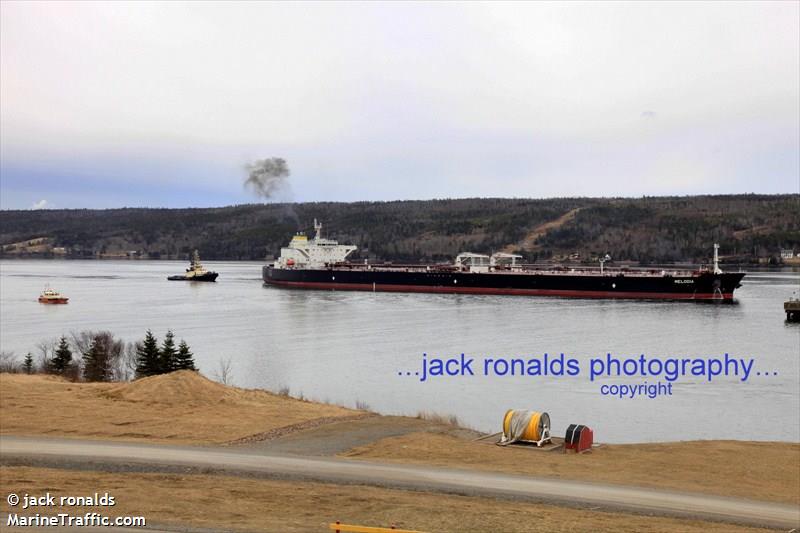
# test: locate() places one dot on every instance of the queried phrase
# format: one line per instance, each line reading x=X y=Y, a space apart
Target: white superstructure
x=303 y=252
x=470 y=262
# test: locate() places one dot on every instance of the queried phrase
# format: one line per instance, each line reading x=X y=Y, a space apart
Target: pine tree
x=62 y=358
x=96 y=362
x=185 y=359
x=27 y=364
x=148 y=360
x=168 y=354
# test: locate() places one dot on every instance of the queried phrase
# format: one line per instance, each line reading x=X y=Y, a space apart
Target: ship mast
x=717 y=270
x=317 y=230
x=603 y=260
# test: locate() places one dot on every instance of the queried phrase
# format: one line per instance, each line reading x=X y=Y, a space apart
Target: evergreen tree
x=168 y=354
x=185 y=359
x=62 y=358
x=148 y=359
x=96 y=361
x=27 y=364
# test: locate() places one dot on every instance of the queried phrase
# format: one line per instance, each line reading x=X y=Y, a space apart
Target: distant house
x=787 y=253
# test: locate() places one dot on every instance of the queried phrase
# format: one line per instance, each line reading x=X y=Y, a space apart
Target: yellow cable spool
x=507 y=422
x=533 y=431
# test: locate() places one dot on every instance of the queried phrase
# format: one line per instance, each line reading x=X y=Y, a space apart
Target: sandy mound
x=184 y=387
x=178 y=407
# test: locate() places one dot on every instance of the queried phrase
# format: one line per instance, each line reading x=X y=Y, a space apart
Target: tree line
x=647 y=229
x=100 y=356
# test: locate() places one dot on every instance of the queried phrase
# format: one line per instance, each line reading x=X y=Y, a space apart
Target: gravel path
x=95 y=455
x=338 y=435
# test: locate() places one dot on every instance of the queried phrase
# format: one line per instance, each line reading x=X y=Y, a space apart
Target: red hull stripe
x=486 y=290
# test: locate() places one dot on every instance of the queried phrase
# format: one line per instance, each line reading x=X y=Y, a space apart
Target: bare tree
x=109 y=347
x=125 y=367
x=47 y=350
x=9 y=363
x=82 y=340
x=224 y=374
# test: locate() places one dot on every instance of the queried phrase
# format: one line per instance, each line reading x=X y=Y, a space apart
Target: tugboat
x=195 y=272
x=51 y=296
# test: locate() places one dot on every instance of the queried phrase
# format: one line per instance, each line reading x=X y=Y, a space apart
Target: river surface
x=348 y=347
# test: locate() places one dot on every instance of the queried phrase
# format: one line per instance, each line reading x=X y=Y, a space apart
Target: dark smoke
x=267 y=177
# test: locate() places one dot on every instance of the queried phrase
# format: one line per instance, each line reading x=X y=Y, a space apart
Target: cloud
x=41 y=204
x=395 y=100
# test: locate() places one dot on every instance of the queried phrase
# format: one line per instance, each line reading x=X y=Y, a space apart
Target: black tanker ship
x=321 y=264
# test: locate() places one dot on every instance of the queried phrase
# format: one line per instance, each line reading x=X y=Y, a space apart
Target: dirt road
x=528 y=243
x=95 y=455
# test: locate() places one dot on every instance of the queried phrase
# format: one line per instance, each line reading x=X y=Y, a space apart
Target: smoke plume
x=267 y=177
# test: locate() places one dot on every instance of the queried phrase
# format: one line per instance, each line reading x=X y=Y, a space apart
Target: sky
x=165 y=104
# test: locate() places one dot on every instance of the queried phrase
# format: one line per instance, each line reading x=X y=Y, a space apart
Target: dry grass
x=438 y=418
x=235 y=504
x=184 y=408
x=762 y=471
x=181 y=407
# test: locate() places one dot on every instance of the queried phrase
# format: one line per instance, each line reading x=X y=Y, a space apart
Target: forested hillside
x=643 y=229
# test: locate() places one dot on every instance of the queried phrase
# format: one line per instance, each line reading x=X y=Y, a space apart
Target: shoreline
x=297 y=465
x=186 y=409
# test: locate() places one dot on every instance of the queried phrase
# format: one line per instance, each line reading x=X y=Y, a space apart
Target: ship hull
x=53 y=300
x=210 y=276
x=702 y=286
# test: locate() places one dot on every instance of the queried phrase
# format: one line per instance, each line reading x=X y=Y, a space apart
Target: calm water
x=345 y=347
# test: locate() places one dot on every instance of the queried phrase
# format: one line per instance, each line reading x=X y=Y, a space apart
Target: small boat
x=195 y=272
x=51 y=296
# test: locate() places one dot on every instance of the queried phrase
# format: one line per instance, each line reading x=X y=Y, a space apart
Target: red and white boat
x=51 y=296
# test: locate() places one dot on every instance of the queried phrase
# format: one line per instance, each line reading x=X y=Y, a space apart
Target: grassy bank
x=753 y=470
x=186 y=408
x=236 y=504
x=179 y=408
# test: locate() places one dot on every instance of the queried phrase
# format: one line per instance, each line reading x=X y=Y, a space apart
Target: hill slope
x=640 y=229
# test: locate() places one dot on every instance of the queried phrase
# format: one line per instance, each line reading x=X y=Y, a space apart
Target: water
x=345 y=347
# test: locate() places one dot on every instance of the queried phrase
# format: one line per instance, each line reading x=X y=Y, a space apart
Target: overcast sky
x=163 y=104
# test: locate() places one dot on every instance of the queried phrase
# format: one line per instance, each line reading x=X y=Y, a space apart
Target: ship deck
x=521 y=270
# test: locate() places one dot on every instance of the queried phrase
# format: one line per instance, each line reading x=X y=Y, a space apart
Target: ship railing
x=518 y=269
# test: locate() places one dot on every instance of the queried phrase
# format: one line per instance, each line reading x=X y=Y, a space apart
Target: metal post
x=717 y=270
x=603 y=260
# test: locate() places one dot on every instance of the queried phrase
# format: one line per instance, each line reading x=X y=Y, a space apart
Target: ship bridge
x=318 y=252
